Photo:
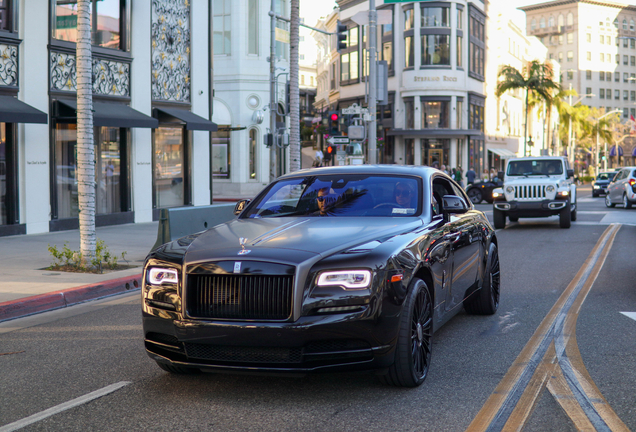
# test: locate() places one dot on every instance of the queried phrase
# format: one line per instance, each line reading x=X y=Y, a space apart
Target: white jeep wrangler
x=535 y=187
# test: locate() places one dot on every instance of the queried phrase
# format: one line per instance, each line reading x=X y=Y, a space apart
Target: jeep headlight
x=349 y=279
x=158 y=276
x=510 y=189
x=563 y=194
x=549 y=188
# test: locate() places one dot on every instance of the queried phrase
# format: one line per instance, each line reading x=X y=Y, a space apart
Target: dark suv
x=602 y=180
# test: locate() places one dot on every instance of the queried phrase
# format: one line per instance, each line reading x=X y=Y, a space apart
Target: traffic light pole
x=373 y=82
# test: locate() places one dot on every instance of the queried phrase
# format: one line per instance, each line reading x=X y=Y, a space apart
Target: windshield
x=535 y=167
x=606 y=176
x=338 y=195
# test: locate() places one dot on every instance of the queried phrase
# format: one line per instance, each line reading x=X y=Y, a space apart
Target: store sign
x=434 y=78
x=282 y=35
x=66 y=22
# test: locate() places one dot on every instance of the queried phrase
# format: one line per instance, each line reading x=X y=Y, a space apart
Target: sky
x=312 y=10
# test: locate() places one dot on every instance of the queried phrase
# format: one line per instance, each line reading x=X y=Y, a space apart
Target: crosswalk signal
x=341 y=29
x=329 y=153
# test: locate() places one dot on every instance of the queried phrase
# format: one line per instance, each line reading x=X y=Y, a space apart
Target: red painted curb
x=68 y=297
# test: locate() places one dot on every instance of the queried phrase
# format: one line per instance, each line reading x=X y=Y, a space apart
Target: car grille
x=530 y=192
x=259 y=297
x=244 y=354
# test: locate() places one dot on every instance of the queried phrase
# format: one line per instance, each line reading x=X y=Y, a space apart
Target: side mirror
x=500 y=175
x=453 y=204
x=240 y=206
x=570 y=173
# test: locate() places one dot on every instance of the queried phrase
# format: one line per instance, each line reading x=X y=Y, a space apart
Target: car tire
x=513 y=218
x=475 y=196
x=486 y=300
x=178 y=370
x=499 y=219
x=414 y=341
x=626 y=203
x=608 y=201
x=565 y=217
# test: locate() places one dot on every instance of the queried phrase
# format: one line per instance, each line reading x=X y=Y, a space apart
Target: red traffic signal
x=334 y=117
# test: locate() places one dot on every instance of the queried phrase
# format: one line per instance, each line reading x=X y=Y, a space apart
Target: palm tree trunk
x=85 y=146
x=294 y=98
x=525 y=125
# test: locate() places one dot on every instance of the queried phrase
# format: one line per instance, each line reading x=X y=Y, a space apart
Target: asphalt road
x=56 y=357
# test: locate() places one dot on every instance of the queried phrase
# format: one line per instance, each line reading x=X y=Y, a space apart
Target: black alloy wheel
x=474 y=195
x=486 y=300
x=413 y=348
x=626 y=203
x=608 y=201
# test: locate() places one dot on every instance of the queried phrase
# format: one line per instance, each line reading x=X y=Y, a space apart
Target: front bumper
x=542 y=208
x=348 y=341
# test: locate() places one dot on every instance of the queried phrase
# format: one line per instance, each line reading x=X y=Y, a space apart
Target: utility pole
x=373 y=82
x=273 y=109
x=294 y=98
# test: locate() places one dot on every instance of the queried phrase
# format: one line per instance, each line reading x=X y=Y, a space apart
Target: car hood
x=296 y=239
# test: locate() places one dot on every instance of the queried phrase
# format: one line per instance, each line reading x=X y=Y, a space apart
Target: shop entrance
x=435 y=157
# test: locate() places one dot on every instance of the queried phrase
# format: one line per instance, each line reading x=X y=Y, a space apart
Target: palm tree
x=536 y=78
x=558 y=102
x=294 y=99
x=85 y=146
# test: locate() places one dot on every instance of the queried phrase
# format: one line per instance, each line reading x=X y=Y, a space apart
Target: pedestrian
x=470 y=175
x=493 y=174
x=444 y=169
x=457 y=176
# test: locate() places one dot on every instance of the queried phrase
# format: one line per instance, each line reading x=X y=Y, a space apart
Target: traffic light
x=334 y=126
x=341 y=38
x=331 y=150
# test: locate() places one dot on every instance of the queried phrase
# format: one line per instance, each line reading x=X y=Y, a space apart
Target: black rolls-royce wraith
x=328 y=269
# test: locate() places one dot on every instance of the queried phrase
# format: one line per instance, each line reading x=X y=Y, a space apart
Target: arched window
x=570 y=19
x=560 y=20
x=551 y=21
x=542 y=23
x=533 y=24
x=624 y=24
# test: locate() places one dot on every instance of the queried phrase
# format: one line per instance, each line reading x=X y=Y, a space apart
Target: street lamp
x=570 y=145
x=598 y=120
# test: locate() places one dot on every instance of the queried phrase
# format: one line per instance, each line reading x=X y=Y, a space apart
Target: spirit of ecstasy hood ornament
x=243 y=251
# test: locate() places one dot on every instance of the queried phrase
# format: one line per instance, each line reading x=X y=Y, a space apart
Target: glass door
x=169 y=167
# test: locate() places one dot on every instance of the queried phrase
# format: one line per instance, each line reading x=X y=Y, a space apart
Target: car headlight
x=549 y=188
x=596 y=186
x=158 y=276
x=496 y=194
x=510 y=189
x=350 y=279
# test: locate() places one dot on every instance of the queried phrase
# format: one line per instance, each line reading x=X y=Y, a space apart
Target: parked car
x=480 y=191
x=602 y=180
x=622 y=190
x=327 y=269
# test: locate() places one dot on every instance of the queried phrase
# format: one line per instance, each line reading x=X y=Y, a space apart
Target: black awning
x=13 y=110
x=191 y=120
x=112 y=114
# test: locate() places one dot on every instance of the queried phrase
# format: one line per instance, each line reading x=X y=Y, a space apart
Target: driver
x=404 y=195
x=325 y=198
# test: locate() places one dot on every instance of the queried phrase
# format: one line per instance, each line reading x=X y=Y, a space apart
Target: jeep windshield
x=542 y=167
x=338 y=195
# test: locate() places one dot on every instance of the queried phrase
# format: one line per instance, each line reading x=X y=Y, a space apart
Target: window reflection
x=168 y=166
x=105 y=17
x=221 y=154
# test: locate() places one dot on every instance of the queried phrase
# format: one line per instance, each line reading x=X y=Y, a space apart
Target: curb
x=68 y=297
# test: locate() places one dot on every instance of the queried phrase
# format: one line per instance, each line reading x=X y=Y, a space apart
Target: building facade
x=151 y=111
x=508 y=45
x=436 y=58
x=595 y=44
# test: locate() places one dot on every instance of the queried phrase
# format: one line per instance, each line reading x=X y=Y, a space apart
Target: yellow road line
x=511 y=403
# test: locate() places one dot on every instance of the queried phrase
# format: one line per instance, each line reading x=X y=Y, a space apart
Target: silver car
x=622 y=190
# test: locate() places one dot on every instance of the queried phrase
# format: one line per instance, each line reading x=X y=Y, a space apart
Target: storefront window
x=221 y=154
x=106 y=22
x=169 y=167
x=435 y=17
x=66 y=171
x=108 y=177
x=409 y=151
x=3 y=174
x=5 y=15
x=435 y=50
x=435 y=114
x=253 y=154
x=409 y=113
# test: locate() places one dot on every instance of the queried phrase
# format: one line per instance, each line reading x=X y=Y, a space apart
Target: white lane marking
x=631 y=315
x=63 y=407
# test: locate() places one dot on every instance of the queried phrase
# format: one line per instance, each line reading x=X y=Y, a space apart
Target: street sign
x=282 y=35
x=354 y=109
x=384 y=17
x=338 y=140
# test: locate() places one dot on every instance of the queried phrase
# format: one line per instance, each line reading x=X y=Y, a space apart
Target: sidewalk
x=27 y=288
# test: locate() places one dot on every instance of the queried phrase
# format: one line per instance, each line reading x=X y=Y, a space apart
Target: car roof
x=536 y=157
x=411 y=170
